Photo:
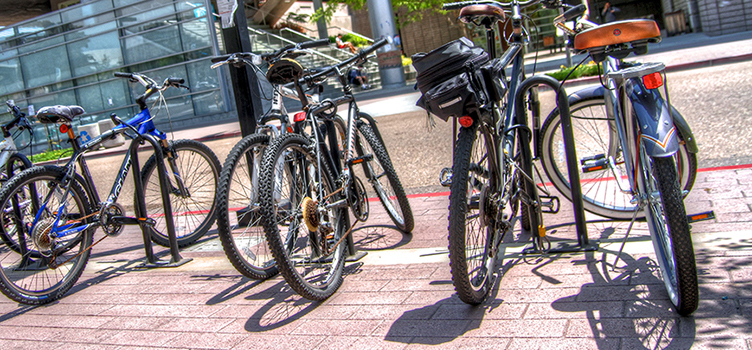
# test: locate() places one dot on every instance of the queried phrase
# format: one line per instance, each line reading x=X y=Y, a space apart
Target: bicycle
x=597 y=143
x=648 y=140
x=12 y=161
x=241 y=234
x=307 y=186
x=56 y=209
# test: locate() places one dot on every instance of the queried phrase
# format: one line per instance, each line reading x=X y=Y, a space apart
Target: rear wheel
x=17 y=162
x=596 y=138
x=304 y=218
x=238 y=210
x=194 y=211
x=669 y=228
x=45 y=265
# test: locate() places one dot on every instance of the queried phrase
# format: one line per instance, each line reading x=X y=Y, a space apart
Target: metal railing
x=288 y=41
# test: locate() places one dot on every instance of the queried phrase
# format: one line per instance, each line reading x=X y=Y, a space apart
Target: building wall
x=720 y=17
x=68 y=57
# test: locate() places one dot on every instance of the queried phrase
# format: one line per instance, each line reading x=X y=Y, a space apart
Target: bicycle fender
x=682 y=126
x=657 y=130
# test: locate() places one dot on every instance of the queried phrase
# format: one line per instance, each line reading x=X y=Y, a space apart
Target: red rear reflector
x=289 y=129
x=466 y=121
x=299 y=117
x=653 y=81
x=63 y=128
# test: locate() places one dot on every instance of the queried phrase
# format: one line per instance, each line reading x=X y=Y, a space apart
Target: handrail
x=293 y=31
x=288 y=41
x=351 y=32
x=278 y=17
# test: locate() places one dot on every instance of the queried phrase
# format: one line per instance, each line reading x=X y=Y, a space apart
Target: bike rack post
x=141 y=211
x=562 y=101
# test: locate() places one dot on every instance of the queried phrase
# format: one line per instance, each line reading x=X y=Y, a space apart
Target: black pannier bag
x=443 y=78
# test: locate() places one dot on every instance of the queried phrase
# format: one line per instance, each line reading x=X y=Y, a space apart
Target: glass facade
x=68 y=57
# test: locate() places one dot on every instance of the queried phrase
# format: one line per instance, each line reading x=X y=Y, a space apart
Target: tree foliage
x=412 y=9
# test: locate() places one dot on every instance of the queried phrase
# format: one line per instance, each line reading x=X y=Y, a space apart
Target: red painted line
x=728 y=167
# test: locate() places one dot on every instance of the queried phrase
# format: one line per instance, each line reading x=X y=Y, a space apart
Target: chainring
x=358 y=200
x=109 y=226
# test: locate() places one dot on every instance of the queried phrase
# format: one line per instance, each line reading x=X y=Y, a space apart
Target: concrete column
x=390 y=60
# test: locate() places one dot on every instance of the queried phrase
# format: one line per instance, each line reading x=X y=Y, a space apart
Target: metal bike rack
x=151 y=260
x=562 y=101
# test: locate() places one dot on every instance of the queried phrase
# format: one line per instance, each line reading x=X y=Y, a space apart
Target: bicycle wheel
x=381 y=174
x=596 y=135
x=238 y=218
x=194 y=212
x=669 y=229
x=17 y=162
x=44 y=267
x=304 y=218
x=471 y=215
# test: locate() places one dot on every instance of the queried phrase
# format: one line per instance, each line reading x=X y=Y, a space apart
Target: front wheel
x=596 y=139
x=17 y=162
x=471 y=216
x=238 y=210
x=669 y=228
x=304 y=217
x=380 y=172
x=194 y=209
x=46 y=262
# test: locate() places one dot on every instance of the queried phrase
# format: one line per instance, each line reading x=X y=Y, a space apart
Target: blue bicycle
x=56 y=209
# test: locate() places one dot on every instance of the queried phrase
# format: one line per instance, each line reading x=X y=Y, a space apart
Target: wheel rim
x=480 y=212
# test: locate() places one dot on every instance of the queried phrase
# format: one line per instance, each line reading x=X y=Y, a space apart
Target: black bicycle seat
x=54 y=114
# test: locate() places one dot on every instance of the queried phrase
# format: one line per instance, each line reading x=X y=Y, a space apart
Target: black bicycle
x=306 y=185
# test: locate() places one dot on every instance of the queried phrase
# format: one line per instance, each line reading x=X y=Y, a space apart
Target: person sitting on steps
x=345 y=44
x=358 y=77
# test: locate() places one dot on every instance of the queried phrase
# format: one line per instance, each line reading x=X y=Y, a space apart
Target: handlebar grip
x=574 y=12
x=314 y=43
x=220 y=58
x=376 y=45
x=456 y=5
x=123 y=75
x=175 y=80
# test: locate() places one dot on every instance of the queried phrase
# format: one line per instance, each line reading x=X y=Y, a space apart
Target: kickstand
x=629 y=229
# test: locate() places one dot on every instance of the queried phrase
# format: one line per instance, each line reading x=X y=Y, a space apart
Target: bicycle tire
x=27 y=278
x=310 y=273
x=16 y=163
x=390 y=192
x=241 y=234
x=193 y=215
x=669 y=227
x=470 y=258
x=601 y=194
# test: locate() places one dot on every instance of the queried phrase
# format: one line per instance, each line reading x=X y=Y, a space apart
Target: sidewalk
x=400 y=296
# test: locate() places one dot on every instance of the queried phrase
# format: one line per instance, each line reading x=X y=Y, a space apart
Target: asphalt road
x=715 y=101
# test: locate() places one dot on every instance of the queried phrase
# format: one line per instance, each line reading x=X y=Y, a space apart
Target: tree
x=414 y=9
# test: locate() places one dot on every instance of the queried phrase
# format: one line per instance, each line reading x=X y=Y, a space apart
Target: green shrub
x=50 y=155
x=355 y=40
x=586 y=70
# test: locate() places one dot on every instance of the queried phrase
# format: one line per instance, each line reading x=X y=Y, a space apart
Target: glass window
x=60 y=98
x=95 y=54
x=107 y=25
x=11 y=79
x=201 y=76
x=180 y=108
x=149 y=45
x=195 y=35
x=85 y=10
x=146 y=11
x=41 y=27
x=208 y=103
x=45 y=67
x=8 y=54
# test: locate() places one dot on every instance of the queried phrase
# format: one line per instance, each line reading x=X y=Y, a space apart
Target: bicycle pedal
x=708 y=215
x=549 y=204
x=358 y=160
x=592 y=158
x=595 y=165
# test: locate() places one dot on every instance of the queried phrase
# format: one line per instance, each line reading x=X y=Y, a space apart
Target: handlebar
x=504 y=5
x=151 y=85
x=574 y=12
x=19 y=120
x=360 y=56
x=239 y=58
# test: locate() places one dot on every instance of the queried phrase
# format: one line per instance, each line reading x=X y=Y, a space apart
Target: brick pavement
x=400 y=296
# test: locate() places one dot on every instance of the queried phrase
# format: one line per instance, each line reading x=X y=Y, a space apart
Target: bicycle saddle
x=617 y=33
x=480 y=12
x=54 y=114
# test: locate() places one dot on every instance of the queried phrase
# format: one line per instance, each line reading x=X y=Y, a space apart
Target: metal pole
x=247 y=97
x=381 y=14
